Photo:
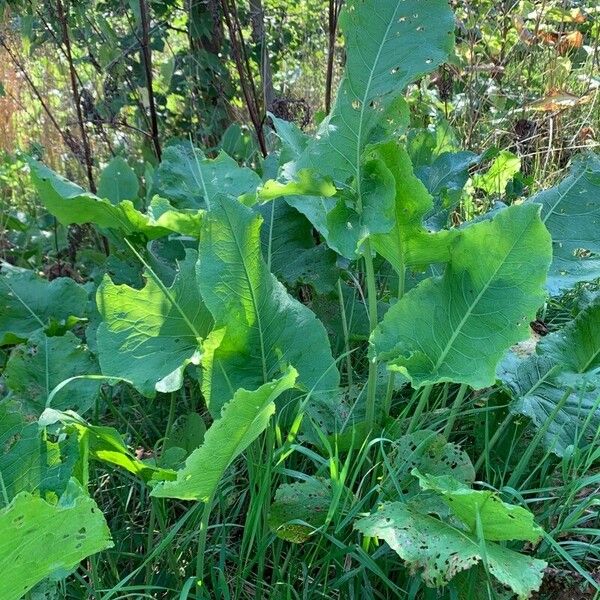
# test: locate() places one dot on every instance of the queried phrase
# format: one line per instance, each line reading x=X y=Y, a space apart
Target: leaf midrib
x=365 y=96
x=484 y=289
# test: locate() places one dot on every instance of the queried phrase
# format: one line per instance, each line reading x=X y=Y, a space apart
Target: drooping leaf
x=259 y=328
x=457 y=327
x=242 y=420
x=189 y=180
x=306 y=183
x=36 y=367
x=388 y=45
x=118 y=182
x=104 y=444
x=148 y=336
x=499 y=521
x=70 y=203
x=38 y=539
x=571 y=212
x=306 y=501
x=28 y=303
x=564 y=370
x=439 y=551
x=408 y=243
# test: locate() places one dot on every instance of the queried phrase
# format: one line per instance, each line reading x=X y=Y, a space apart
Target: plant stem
x=387 y=403
x=460 y=396
x=372 y=301
x=346 y=334
x=202 y=541
x=423 y=399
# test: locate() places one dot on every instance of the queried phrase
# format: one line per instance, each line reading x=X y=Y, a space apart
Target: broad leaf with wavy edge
x=566 y=363
x=457 y=327
x=389 y=44
x=29 y=303
x=38 y=539
x=440 y=551
x=148 y=336
x=36 y=367
x=70 y=204
x=571 y=212
x=242 y=420
x=190 y=180
x=259 y=327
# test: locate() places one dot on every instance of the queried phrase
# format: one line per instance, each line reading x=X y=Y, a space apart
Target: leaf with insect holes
x=566 y=370
x=458 y=326
x=388 y=45
x=189 y=180
x=498 y=520
x=259 y=328
x=299 y=509
x=70 y=204
x=429 y=452
x=29 y=303
x=37 y=366
x=148 y=336
x=439 y=551
x=38 y=539
x=571 y=212
x=242 y=420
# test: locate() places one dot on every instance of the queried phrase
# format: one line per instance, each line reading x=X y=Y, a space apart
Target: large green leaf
x=189 y=180
x=408 y=243
x=36 y=367
x=389 y=44
x=118 y=182
x=571 y=212
x=565 y=371
x=457 y=327
x=38 y=539
x=441 y=550
x=28 y=303
x=242 y=420
x=29 y=462
x=498 y=520
x=259 y=328
x=70 y=203
x=148 y=336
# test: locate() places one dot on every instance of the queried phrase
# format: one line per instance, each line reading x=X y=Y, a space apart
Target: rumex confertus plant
x=211 y=306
